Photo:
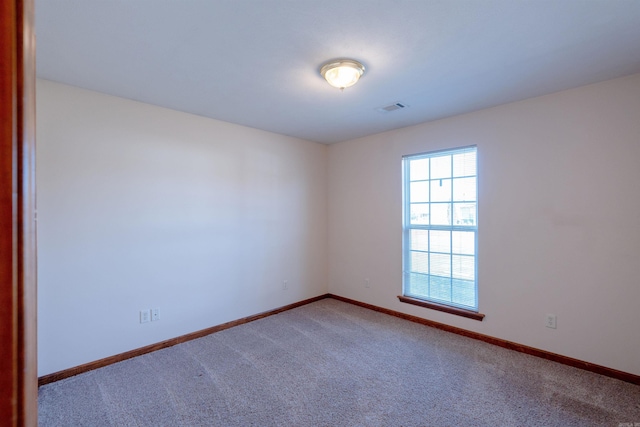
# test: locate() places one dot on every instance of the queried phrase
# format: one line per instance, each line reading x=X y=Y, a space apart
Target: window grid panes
x=440 y=227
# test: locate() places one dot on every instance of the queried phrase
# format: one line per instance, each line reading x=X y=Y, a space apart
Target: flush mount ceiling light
x=342 y=73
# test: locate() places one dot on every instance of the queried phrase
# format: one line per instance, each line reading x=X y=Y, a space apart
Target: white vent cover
x=392 y=107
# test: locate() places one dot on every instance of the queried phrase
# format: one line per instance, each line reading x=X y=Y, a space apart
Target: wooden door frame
x=18 y=353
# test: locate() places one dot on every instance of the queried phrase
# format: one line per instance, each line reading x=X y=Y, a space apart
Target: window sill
x=440 y=307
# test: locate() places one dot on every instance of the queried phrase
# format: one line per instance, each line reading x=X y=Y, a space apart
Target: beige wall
x=141 y=207
x=559 y=219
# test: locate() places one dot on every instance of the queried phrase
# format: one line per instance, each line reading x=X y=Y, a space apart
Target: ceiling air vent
x=392 y=107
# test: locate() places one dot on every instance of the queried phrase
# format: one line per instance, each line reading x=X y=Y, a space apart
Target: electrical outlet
x=155 y=314
x=144 y=316
x=285 y=285
x=551 y=321
x=366 y=283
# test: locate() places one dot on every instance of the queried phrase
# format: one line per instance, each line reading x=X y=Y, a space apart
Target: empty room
x=364 y=213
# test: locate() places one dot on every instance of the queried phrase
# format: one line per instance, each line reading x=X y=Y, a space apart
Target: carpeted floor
x=330 y=363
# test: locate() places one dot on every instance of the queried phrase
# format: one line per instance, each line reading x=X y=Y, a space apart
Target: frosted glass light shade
x=342 y=73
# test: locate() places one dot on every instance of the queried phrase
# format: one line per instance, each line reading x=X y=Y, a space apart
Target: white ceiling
x=256 y=62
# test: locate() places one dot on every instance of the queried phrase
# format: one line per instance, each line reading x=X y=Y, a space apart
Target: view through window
x=440 y=226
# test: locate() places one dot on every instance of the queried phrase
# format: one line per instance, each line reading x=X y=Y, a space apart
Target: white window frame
x=427 y=298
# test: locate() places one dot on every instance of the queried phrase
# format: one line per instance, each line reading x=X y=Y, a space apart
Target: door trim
x=18 y=311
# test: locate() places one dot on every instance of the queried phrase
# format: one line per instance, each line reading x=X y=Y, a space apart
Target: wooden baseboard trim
x=66 y=373
x=565 y=360
x=598 y=369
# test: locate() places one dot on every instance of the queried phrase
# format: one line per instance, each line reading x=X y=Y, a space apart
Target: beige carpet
x=334 y=364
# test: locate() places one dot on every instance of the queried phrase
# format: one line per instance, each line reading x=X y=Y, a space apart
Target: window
x=440 y=225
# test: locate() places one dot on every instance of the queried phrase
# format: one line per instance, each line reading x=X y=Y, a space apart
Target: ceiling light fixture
x=342 y=73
